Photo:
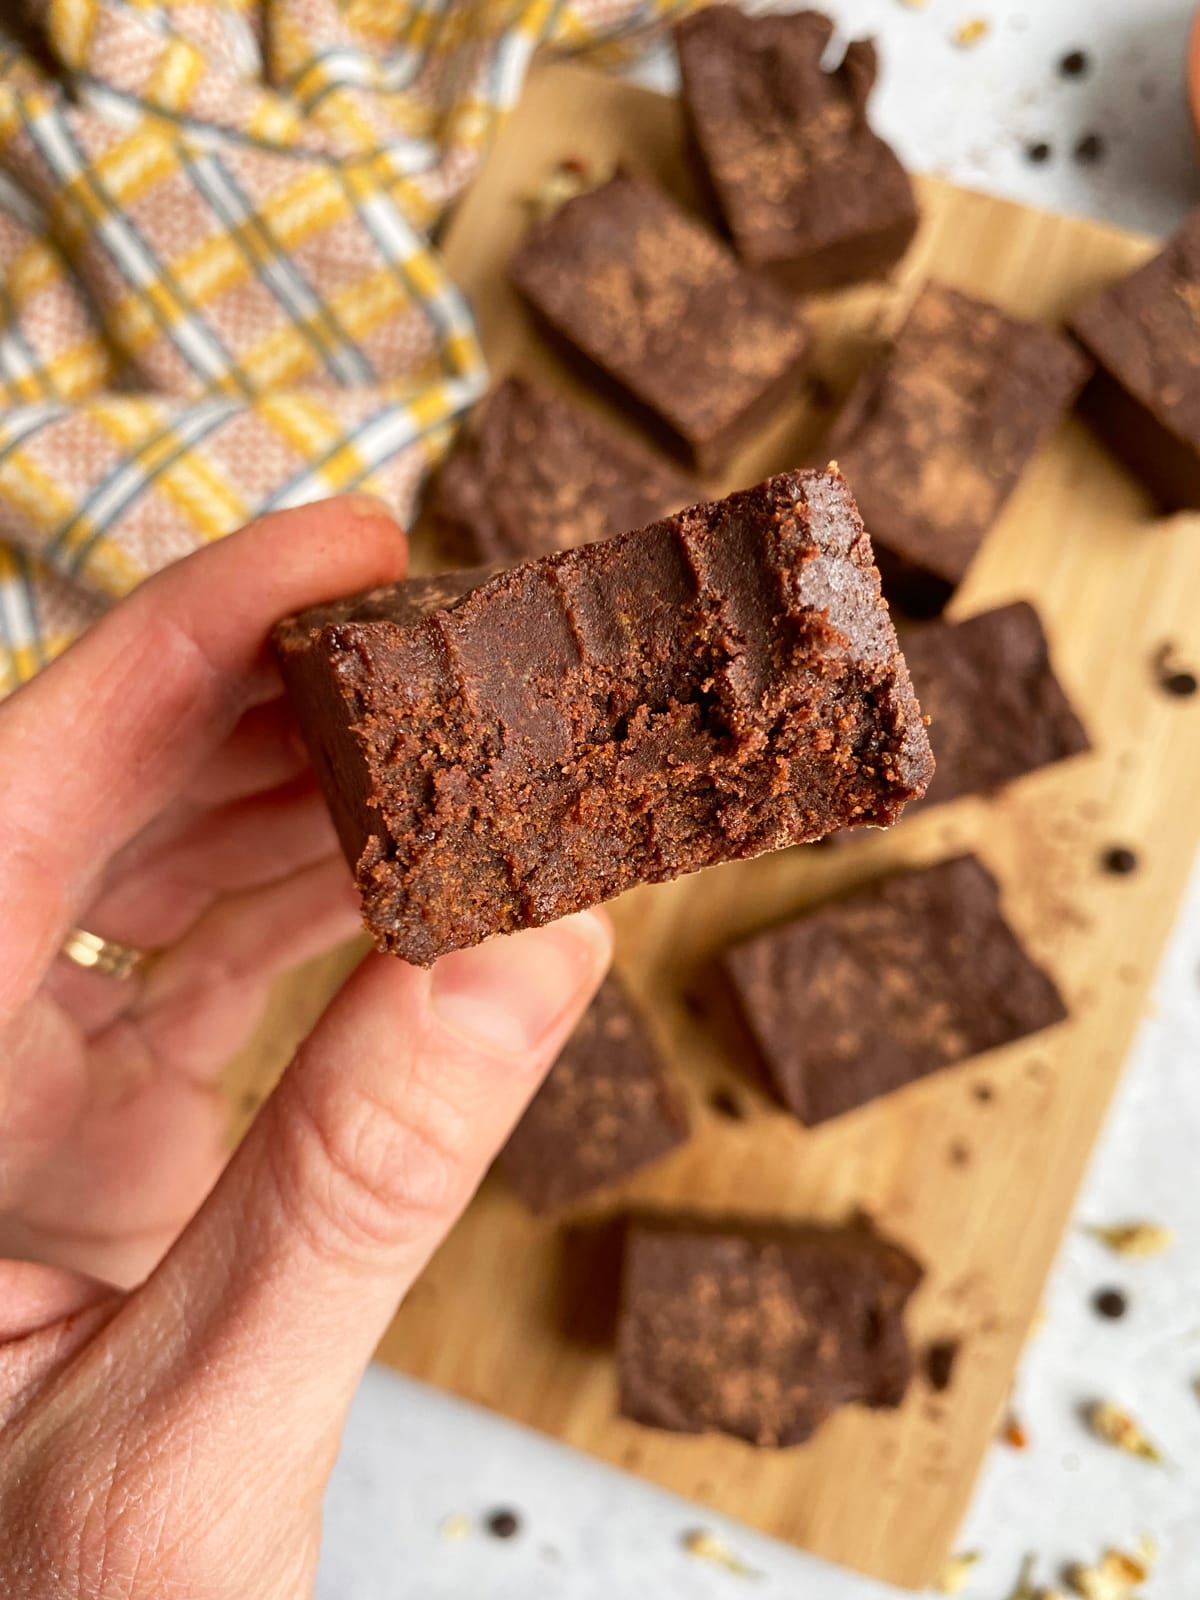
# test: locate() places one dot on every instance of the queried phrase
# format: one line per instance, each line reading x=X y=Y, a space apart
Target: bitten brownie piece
x=760 y=1332
x=935 y=438
x=864 y=995
x=805 y=187
x=1144 y=402
x=996 y=711
x=532 y=473
x=500 y=751
x=664 y=309
x=605 y=1110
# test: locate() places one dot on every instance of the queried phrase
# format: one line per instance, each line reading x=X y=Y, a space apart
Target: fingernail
x=507 y=996
x=362 y=504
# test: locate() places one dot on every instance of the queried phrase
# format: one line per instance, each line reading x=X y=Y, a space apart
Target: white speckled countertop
x=413 y=1458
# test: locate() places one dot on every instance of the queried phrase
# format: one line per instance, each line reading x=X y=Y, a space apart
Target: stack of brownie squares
x=621 y=681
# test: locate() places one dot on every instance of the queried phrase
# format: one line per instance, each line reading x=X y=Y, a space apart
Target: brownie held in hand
x=606 y=1110
x=703 y=347
x=937 y=435
x=499 y=751
x=760 y=1332
x=805 y=187
x=1144 y=402
x=862 y=996
x=531 y=473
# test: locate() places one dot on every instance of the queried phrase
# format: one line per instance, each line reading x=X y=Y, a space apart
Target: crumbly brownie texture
x=935 y=438
x=760 y=1332
x=532 y=473
x=996 y=710
x=805 y=187
x=498 y=752
x=867 y=994
x=1144 y=402
x=606 y=1110
x=666 y=311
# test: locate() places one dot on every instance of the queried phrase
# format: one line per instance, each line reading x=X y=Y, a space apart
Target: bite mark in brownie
x=760 y=1331
x=936 y=436
x=606 y=1110
x=501 y=751
x=804 y=185
x=532 y=472
x=654 y=301
x=996 y=710
x=1144 y=400
x=869 y=993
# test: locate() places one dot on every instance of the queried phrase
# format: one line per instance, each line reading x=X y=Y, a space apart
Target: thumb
x=360 y=1162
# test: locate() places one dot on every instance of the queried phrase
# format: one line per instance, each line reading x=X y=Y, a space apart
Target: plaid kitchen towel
x=217 y=292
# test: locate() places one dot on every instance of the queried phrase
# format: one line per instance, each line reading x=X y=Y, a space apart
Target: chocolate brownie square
x=532 y=473
x=996 y=710
x=936 y=436
x=1144 y=335
x=805 y=187
x=606 y=1110
x=501 y=751
x=860 y=997
x=704 y=348
x=760 y=1332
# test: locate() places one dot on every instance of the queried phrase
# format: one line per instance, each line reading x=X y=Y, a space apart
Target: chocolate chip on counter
x=1038 y=153
x=1090 y=150
x=1110 y=1303
x=1119 y=860
x=503 y=1524
x=1075 y=64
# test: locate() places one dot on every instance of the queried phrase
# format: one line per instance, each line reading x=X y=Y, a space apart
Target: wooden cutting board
x=975 y=1169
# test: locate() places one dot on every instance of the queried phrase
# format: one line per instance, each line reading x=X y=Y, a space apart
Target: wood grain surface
x=975 y=1169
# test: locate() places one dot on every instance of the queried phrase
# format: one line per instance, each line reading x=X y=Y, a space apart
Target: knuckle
x=359 y=1173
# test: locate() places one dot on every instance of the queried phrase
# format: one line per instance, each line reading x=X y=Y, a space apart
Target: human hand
x=152 y=788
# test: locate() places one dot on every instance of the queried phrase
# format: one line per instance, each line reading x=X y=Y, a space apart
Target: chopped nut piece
x=970 y=33
x=705 y=1546
x=1115 y=1578
x=956 y=1574
x=1135 y=1238
x=1115 y=1426
x=455 y=1527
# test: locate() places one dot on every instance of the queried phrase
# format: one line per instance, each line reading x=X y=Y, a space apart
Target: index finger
x=97 y=744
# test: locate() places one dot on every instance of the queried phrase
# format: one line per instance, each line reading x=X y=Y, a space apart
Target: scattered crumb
x=455 y=1527
x=705 y=1546
x=503 y=1524
x=1014 y=1434
x=940 y=1360
x=1110 y=1303
x=959 y=1154
x=1135 y=1238
x=569 y=178
x=984 y=1093
x=1120 y=860
x=1090 y=150
x=1116 y=1427
x=726 y=1104
x=1075 y=64
x=1038 y=153
x=1196 y=1387
x=1172 y=678
x=970 y=33
x=956 y=1574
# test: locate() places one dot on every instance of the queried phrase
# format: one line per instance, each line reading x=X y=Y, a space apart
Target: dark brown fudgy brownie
x=996 y=711
x=871 y=992
x=498 y=752
x=532 y=473
x=1144 y=402
x=606 y=1109
x=703 y=346
x=805 y=187
x=935 y=437
x=760 y=1332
